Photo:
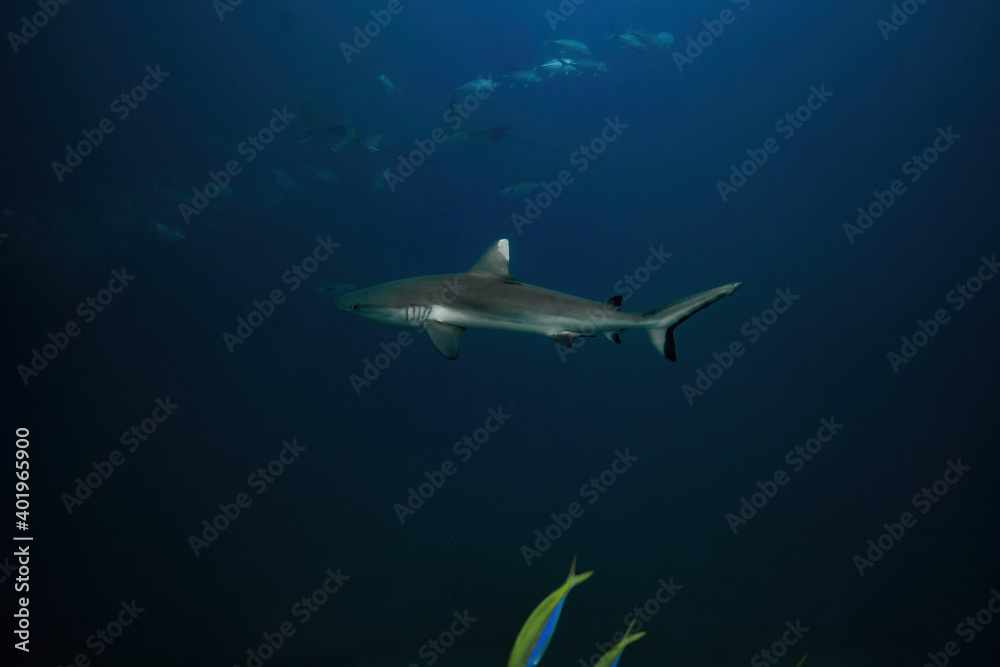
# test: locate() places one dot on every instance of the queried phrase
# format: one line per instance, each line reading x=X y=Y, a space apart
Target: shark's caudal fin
x=662 y=321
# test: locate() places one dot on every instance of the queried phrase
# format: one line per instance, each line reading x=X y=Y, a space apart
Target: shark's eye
x=355 y=306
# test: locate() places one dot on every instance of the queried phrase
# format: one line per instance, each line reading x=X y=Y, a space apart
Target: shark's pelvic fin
x=445 y=337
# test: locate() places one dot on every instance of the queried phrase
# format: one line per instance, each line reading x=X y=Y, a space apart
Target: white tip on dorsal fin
x=495 y=261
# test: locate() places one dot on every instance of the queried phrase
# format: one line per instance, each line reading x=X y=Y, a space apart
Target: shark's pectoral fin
x=566 y=338
x=444 y=336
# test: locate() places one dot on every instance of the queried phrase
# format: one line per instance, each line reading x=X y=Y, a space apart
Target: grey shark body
x=487 y=297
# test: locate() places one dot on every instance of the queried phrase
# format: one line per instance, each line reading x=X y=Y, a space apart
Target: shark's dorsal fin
x=615 y=302
x=495 y=262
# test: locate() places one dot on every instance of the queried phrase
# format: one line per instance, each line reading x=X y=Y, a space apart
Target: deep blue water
x=833 y=365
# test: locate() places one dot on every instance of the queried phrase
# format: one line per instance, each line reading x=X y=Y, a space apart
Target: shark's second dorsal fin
x=495 y=261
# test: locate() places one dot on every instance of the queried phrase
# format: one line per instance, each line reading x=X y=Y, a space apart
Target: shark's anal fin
x=445 y=337
x=566 y=338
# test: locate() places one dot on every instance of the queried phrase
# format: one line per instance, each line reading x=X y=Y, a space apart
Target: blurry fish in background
x=336 y=289
x=372 y=143
x=557 y=65
x=582 y=66
x=572 y=46
x=658 y=40
x=285 y=180
x=479 y=84
x=313 y=124
x=346 y=136
x=321 y=174
x=390 y=87
x=644 y=37
x=523 y=76
x=162 y=231
x=629 y=40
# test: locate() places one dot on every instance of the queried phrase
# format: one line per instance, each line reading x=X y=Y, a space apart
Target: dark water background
x=570 y=415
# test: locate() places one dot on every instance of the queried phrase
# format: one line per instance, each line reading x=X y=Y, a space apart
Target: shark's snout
x=346 y=302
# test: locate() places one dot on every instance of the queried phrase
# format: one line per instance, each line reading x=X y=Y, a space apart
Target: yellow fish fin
x=573 y=579
x=611 y=657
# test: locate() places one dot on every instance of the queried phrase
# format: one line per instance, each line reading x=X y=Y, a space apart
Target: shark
x=488 y=297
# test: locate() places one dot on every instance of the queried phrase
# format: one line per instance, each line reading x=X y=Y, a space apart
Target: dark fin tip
x=669 y=349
